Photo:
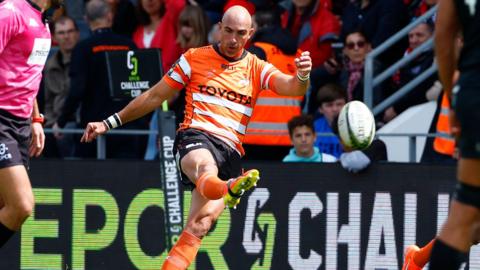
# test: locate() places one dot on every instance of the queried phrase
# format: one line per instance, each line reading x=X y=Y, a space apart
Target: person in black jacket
x=89 y=89
x=379 y=20
x=417 y=36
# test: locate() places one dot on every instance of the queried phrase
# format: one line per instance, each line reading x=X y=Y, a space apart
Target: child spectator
x=331 y=99
x=303 y=138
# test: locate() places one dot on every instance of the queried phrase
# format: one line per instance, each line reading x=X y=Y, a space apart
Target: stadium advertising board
x=110 y=215
x=132 y=72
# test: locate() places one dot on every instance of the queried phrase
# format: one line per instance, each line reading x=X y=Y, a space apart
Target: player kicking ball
x=222 y=82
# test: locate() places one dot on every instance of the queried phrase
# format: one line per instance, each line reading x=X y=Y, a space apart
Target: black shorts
x=15 y=136
x=227 y=159
x=466 y=103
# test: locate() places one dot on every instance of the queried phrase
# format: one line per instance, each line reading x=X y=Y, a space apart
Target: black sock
x=445 y=257
x=5 y=234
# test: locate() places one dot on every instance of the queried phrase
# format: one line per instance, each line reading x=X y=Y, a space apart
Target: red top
x=165 y=35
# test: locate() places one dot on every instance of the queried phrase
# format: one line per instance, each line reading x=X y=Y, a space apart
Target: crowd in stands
x=339 y=34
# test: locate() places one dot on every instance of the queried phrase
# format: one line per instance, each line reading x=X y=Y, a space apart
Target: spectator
x=192 y=33
x=303 y=138
x=56 y=84
x=192 y=28
x=158 y=28
x=124 y=19
x=331 y=99
x=313 y=26
x=347 y=68
x=379 y=20
x=89 y=85
x=418 y=8
x=267 y=136
x=417 y=36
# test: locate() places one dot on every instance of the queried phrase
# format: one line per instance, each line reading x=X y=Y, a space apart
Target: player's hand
x=56 y=131
x=354 y=161
x=304 y=64
x=331 y=66
x=38 y=140
x=92 y=130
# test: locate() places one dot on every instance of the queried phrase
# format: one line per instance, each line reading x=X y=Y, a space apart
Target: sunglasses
x=359 y=44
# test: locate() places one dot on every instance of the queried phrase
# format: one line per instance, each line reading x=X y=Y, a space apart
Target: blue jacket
x=316 y=157
x=327 y=144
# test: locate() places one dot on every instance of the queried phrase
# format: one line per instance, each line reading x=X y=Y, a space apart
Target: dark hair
x=265 y=18
x=330 y=92
x=356 y=31
x=61 y=20
x=299 y=121
x=430 y=23
x=142 y=15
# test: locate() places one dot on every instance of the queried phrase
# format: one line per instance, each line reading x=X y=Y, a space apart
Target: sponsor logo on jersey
x=39 y=54
x=225 y=93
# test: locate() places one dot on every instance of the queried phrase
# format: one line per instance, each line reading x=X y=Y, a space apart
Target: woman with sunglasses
x=347 y=66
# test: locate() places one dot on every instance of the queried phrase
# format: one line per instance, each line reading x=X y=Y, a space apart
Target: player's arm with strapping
x=138 y=107
x=296 y=85
x=169 y=85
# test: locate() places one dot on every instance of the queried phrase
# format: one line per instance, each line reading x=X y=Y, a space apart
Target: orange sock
x=211 y=187
x=422 y=256
x=183 y=253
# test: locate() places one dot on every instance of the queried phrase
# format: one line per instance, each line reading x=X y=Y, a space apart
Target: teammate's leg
x=16 y=193
x=453 y=243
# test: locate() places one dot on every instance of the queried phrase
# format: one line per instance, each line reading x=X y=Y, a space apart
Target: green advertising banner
x=111 y=215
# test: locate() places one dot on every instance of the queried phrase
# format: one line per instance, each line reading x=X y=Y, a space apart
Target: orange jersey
x=220 y=93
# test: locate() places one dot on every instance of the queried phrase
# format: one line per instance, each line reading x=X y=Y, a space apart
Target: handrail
x=101 y=139
x=427 y=45
x=369 y=82
x=404 y=90
x=101 y=143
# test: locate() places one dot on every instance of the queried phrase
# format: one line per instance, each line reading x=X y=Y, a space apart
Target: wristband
x=40 y=119
x=303 y=78
x=113 y=121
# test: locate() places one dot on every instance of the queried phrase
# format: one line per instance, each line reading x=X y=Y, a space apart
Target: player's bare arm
x=140 y=106
x=446 y=31
x=287 y=85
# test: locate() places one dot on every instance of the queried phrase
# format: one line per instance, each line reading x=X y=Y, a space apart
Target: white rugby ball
x=356 y=125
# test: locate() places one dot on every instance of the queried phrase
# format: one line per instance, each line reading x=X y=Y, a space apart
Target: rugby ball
x=356 y=125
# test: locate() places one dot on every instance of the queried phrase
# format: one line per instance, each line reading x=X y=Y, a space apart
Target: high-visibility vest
x=268 y=124
x=444 y=145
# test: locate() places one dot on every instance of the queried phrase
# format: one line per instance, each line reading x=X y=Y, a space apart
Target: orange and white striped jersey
x=221 y=92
